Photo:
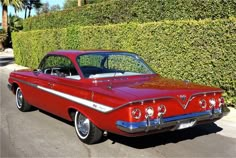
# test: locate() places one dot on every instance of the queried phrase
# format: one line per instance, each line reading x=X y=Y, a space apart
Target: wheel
x=21 y=104
x=86 y=130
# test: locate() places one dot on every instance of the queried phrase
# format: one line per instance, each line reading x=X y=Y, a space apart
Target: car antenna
x=110 y=82
x=110 y=85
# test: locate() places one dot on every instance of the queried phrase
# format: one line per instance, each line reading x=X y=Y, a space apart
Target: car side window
x=59 y=66
x=123 y=63
x=90 y=64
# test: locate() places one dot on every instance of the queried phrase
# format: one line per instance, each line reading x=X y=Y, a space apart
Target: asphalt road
x=37 y=134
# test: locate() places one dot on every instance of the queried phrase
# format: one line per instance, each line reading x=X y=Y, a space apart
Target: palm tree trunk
x=15 y=11
x=4 y=17
x=79 y=3
x=29 y=14
x=25 y=12
x=30 y=8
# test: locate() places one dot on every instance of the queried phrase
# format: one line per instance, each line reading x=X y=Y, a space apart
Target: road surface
x=37 y=134
x=6 y=60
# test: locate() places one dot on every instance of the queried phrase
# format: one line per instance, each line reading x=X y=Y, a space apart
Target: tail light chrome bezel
x=221 y=101
x=149 y=111
x=203 y=103
x=212 y=103
x=161 y=110
x=136 y=113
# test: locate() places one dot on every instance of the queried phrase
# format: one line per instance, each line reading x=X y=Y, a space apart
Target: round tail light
x=136 y=113
x=149 y=111
x=161 y=110
x=212 y=102
x=202 y=103
x=221 y=101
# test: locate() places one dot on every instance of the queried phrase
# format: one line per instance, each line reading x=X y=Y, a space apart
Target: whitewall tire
x=86 y=130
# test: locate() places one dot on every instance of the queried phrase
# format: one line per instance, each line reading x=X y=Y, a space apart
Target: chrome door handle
x=51 y=85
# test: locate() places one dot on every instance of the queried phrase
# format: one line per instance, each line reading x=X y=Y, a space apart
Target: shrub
x=120 y=11
x=200 y=51
x=3 y=39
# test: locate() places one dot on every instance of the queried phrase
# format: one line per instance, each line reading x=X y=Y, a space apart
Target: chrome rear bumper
x=170 y=123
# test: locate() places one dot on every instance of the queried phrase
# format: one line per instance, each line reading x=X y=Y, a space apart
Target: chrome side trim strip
x=24 y=82
x=93 y=105
x=87 y=103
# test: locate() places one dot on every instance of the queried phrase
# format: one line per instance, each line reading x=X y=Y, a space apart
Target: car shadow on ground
x=167 y=137
x=56 y=117
x=155 y=139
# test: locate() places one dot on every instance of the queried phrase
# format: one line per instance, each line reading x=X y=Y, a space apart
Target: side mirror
x=37 y=71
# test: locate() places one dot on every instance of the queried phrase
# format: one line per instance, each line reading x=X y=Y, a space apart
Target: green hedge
x=120 y=11
x=200 y=51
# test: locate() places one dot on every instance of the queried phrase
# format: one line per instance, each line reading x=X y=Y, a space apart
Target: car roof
x=80 y=52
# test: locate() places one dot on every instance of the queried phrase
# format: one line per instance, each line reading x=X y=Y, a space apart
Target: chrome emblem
x=94 y=105
x=183 y=97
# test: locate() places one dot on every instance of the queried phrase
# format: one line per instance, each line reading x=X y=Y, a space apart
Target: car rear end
x=169 y=113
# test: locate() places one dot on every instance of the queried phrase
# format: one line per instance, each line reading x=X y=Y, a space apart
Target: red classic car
x=113 y=91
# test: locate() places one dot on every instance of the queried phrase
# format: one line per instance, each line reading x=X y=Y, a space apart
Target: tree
x=55 y=7
x=15 y=23
x=30 y=4
x=79 y=3
x=17 y=4
x=71 y=3
x=74 y=3
x=43 y=9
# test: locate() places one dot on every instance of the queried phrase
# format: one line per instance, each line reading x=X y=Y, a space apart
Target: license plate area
x=186 y=124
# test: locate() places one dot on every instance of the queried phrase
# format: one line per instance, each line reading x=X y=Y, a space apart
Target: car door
x=59 y=82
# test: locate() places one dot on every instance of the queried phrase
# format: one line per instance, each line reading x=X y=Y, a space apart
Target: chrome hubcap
x=19 y=98
x=83 y=126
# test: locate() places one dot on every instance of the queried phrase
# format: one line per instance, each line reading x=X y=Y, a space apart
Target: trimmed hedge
x=120 y=11
x=200 y=51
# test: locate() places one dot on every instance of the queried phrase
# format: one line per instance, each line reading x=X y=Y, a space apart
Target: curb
x=13 y=67
x=231 y=116
x=6 y=54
